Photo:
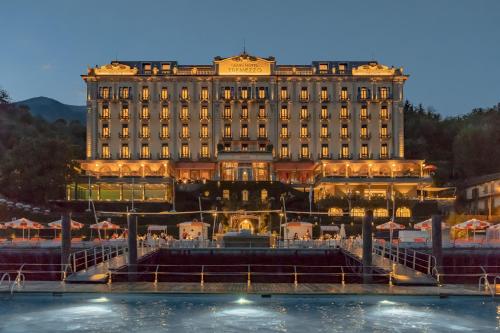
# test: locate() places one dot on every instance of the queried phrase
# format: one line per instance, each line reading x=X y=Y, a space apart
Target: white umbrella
x=390 y=226
x=472 y=224
x=24 y=223
x=104 y=225
x=427 y=225
x=57 y=225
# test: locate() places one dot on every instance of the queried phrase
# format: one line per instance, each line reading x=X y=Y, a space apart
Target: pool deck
x=243 y=288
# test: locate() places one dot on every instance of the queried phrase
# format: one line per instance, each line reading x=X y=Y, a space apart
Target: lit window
x=284 y=113
x=323 y=67
x=164 y=113
x=244 y=112
x=364 y=131
x=124 y=92
x=335 y=211
x=304 y=113
x=384 y=93
x=363 y=93
x=262 y=93
x=343 y=94
x=184 y=93
x=185 y=150
x=383 y=131
x=344 y=132
x=324 y=93
x=228 y=93
x=124 y=132
x=304 y=151
x=324 y=131
x=227 y=131
x=262 y=147
x=145 y=93
x=204 y=93
x=184 y=113
x=364 y=151
x=262 y=112
x=380 y=212
x=244 y=130
x=105 y=112
x=204 y=112
x=384 y=152
x=344 y=113
x=145 y=150
x=124 y=114
x=324 y=112
x=204 y=150
x=384 y=112
x=227 y=147
x=165 y=67
x=105 y=131
x=244 y=93
x=342 y=68
x=363 y=114
x=262 y=131
x=164 y=94
x=284 y=131
x=164 y=131
x=304 y=94
x=185 y=131
x=164 y=151
x=345 y=151
x=403 y=212
x=225 y=194
x=146 y=68
x=284 y=94
x=145 y=112
x=104 y=92
x=204 y=131
x=304 y=131
x=144 y=131
x=227 y=112
x=357 y=212
x=263 y=195
x=125 y=153
x=284 y=150
x=244 y=147
x=105 y=151
x=325 y=152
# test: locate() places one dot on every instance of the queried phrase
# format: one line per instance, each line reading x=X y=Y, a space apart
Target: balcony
x=284 y=118
x=262 y=137
x=365 y=156
x=305 y=117
x=262 y=116
x=144 y=98
x=307 y=156
x=385 y=136
x=204 y=136
x=365 y=117
x=365 y=136
x=345 y=156
x=163 y=156
x=204 y=97
x=284 y=98
x=304 y=99
x=325 y=117
x=144 y=117
x=384 y=156
x=384 y=117
x=145 y=156
x=163 y=98
x=202 y=156
x=163 y=136
x=344 y=98
x=104 y=116
x=227 y=97
x=325 y=156
x=244 y=116
x=244 y=137
x=125 y=97
x=144 y=136
x=285 y=135
x=164 y=117
x=123 y=135
x=106 y=156
x=227 y=137
x=125 y=156
x=285 y=156
x=124 y=117
x=345 y=116
x=325 y=136
x=185 y=156
x=305 y=136
x=105 y=136
x=184 y=136
x=324 y=98
x=184 y=97
x=204 y=117
x=363 y=98
x=344 y=136
x=226 y=116
x=184 y=117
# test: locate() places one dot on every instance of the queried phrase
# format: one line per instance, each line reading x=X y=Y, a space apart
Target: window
x=325 y=152
x=342 y=68
x=105 y=131
x=384 y=153
x=304 y=151
x=104 y=92
x=304 y=113
x=184 y=93
x=343 y=94
x=105 y=151
x=184 y=113
x=244 y=93
x=344 y=113
x=335 y=211
x=262 y=131
x=380 y=212
x=403 y=212
x=284 y=113
x=144 y=112
x=284 y=151
x=164 y=131
x=184 y=150
x=185 y=131
x=145 y=93
x=364 y=132
x=384 y=134
x=262 y=112
x=145 y=151
x=262 y=147
x=284 y=93
x=344 y=132
x=244 y=131
x=363 y=113
x=244 y=112
x=164 y=94
x=124 y=114
x=204 y=150
x=164 y=113
x=364 y=151
x=204 y=93
x=324 y=94
x=304 y=131
x=204 y=113
x=124 y=131
x=263 y=195
x=164 y=151
x=384 y=92
x=227 y=112
x=304 y=94
x=244 y=195
x=204 y=131
x=227 y=147
x=125 y=153
x=146 y=68
x=384 y=112
x=262 y=93
x=357 y=212
x=363 y=93
x=227 y=131
x=345 y=151
x=228 y=93
x=165 y=67
x=105 y=112
x=124 y=92
x=324 y=112
x=144 y=131
x=324 y=131
x=244 y=147
x=323 y=67
x=284 y=131
x=225 y=194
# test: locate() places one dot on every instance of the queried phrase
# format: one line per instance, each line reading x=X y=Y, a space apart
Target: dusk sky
x=451 y=49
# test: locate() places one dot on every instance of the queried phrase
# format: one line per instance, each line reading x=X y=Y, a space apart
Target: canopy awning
x=472 y=224
x=58 y=225
x=427 y=225
x=24 y=223
x=390 y=226
x=105 y=225
x=294 y=166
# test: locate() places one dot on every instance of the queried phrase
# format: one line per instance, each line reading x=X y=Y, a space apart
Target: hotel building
x=334 y=125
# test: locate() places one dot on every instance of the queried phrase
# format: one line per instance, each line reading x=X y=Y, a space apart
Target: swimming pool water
x=232 y=313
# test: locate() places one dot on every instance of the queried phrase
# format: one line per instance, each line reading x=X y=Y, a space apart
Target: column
x=132 y=246
x=65 y=238
x=437 y=241
x=367 y=246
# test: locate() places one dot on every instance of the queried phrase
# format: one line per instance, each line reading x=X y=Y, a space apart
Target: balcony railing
x=262 y=116
x=282 y=117
x=144 y=117
x=345 y=156
x=305 y=135
x=183 y=98
x=365 y=117
x=365 y=136
x=204 y=136
x=385 y=136
x=145 y=156
x=204 y=117
x=303 y=99
x=124 y=117
x=226 y=116
x=124 y=156
x=325 y=136
x=203 y=156
x=325 y=156
x=344 y=136
x=163 y=156
x=244 y=137
x=365 y=156
x=185 y=156
x=163 y=98
x=345 y=116
x=104 y=116
x=305 y=117
x=345 y=98
x=144 y=98
x=123 y=135
x=285 y=156
x=163 y=136
x=324 y=98
x=262 y=137
x=204 y=98
x=184 y=117
x=325 y=117
x=307 y=156
x=284 y=98
x=184 y=135
x=144 y=135
x=105 y=136
x=285 y=135
x=227 y=137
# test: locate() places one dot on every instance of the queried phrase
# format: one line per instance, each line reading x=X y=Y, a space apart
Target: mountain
x=51 y=110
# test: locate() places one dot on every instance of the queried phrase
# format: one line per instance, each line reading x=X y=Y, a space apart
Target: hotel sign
x=244 y=65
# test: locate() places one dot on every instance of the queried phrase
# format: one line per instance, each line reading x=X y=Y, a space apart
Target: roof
x=481 y=179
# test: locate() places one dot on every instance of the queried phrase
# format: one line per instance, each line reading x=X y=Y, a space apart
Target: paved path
x=243 y=288
x=402 y=275
x=99 y=272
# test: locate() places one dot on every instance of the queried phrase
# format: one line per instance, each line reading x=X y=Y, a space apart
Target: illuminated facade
x=337 y=125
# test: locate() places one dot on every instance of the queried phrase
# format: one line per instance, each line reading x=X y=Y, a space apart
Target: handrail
x=19 y=280
x=4 y=276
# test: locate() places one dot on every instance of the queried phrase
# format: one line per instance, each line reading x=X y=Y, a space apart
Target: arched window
x=244 y=195
x=380 y=212
x=357 y=212
x=263 y=195
x=335 y=211
x=403 y=212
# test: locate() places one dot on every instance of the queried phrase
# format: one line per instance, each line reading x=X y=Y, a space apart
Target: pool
x=232 y=313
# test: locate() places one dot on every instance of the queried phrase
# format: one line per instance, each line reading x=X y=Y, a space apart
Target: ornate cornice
x=114 y=68
x=375 y=69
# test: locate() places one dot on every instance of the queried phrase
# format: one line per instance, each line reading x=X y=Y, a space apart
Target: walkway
x=99 y=272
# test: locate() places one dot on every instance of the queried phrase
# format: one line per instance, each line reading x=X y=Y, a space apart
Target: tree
x=4 y=96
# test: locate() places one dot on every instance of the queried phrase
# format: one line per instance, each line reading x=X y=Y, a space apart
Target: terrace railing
x=416 y=260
